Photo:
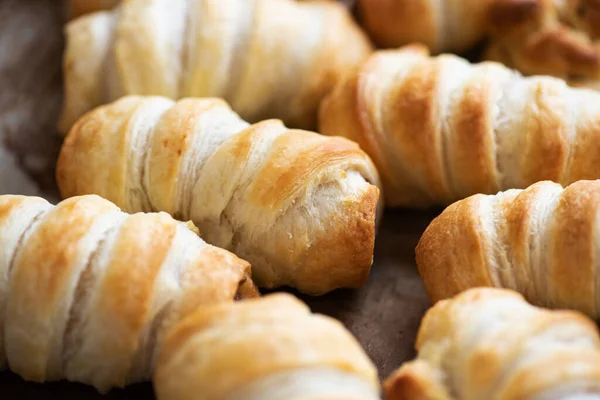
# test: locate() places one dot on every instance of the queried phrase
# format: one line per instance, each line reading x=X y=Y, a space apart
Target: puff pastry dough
x=552 y=37
x=299 y=206
x=541 y=242
x=266 y=349
x=442 y=25
x=441 y=129
x=87 y=291
x=268 y=58
x=491 y=344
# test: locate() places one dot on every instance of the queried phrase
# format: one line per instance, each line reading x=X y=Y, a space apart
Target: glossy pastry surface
x=441 y=129
x=441 y=25
x=87 y=291
x=265 y=349
x=300 y=207
x=267 y=58
x=491 y=344
x=542 y=242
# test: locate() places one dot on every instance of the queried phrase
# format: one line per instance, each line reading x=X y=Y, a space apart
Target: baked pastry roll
x=87 y=291
x=268 y=58
x=299 y=206
x=442 y=25
x=551 y=37
x=440 y=129
x=491 y=344
x=541 y=242
x=267 y=349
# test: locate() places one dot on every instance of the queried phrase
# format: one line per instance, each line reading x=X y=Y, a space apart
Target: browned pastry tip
x=489 y=343
x=247 y=289
x=539 y=242
x=403 y=386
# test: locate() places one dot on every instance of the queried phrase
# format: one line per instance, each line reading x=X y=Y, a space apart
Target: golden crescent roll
x=268 y=58
x=540 y=241
x=442 y=25
x=551 y=37
x=79 y=7
x=440 y=129
x=491 y=344
x=87 y=291
x=266 y=349
x=299 y=206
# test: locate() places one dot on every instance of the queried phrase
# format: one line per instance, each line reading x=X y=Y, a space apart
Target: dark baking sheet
x=384 y=315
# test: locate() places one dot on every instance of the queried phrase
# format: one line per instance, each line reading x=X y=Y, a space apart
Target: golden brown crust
x=269 y=59
x=81 y=7
x=172 y=139
x=489 y=343
x=510 y=13
x=416 y=96
x=353 y=110
x=349 y=242
x=221 y=350
x=556 y=38
x=294 y=160
x=76 y=148
x=14 y=223
x=125 y=292
x=540 y=242
x=592 y=18
x=574 y=232
x=454 y=26
x=393 y=23
x=440 y=129
x=417 y=382
x=300 y=207
x=247 y=289
x=42 y=273
x=342 y=48
x=548 y=135
x=342 y=112
x=87 y=291
x=517 y=235
x=445 y=269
